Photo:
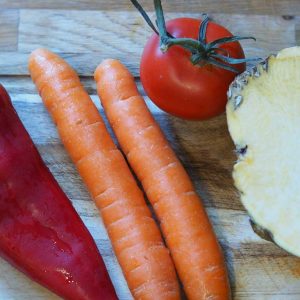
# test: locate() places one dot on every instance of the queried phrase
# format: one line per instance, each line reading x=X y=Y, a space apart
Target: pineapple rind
x=266 y=120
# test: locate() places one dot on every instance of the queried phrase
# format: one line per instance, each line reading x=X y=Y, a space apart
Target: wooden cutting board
x=87 y=31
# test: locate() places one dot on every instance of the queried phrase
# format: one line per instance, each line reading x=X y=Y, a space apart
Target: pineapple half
x=263 y=115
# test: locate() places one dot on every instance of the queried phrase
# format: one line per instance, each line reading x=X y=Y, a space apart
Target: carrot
x=136 y=239
x=184 y=222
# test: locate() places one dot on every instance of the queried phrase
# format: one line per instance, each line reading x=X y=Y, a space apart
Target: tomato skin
x=177 y=86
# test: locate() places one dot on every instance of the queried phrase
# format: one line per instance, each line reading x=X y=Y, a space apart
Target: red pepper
x=40 y=232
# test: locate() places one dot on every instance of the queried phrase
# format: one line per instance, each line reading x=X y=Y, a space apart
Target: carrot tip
x=105 y=64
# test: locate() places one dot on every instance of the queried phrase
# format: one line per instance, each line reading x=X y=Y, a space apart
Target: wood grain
x=101 y=29
x=297 y=29
x=75 y=36
x=9 y=21
x=123 y=34
x=272 y=7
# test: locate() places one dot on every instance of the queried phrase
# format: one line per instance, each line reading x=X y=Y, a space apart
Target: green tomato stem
x=201 y=52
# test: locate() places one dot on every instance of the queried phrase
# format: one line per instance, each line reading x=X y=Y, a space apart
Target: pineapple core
x=263 y=114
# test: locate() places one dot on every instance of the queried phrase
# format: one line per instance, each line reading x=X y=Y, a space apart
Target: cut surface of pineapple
x=263 y=114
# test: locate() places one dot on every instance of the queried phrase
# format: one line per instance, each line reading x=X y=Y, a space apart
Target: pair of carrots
x=139 y=247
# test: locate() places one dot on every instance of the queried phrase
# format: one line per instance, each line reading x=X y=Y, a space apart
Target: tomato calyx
x=202 y=53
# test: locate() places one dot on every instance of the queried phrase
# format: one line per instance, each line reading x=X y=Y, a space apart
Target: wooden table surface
x=85 y=32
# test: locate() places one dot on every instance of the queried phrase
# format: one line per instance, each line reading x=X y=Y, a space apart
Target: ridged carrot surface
x=184 y=222
x=135 y=237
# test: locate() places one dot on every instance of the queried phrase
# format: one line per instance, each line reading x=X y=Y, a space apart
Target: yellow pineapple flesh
x=263 y=114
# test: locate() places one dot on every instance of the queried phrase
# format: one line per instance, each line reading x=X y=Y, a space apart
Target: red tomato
x=177 y=86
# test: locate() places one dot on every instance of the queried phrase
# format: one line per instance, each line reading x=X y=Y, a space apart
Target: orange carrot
x=135 y=237
x=185 y=225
